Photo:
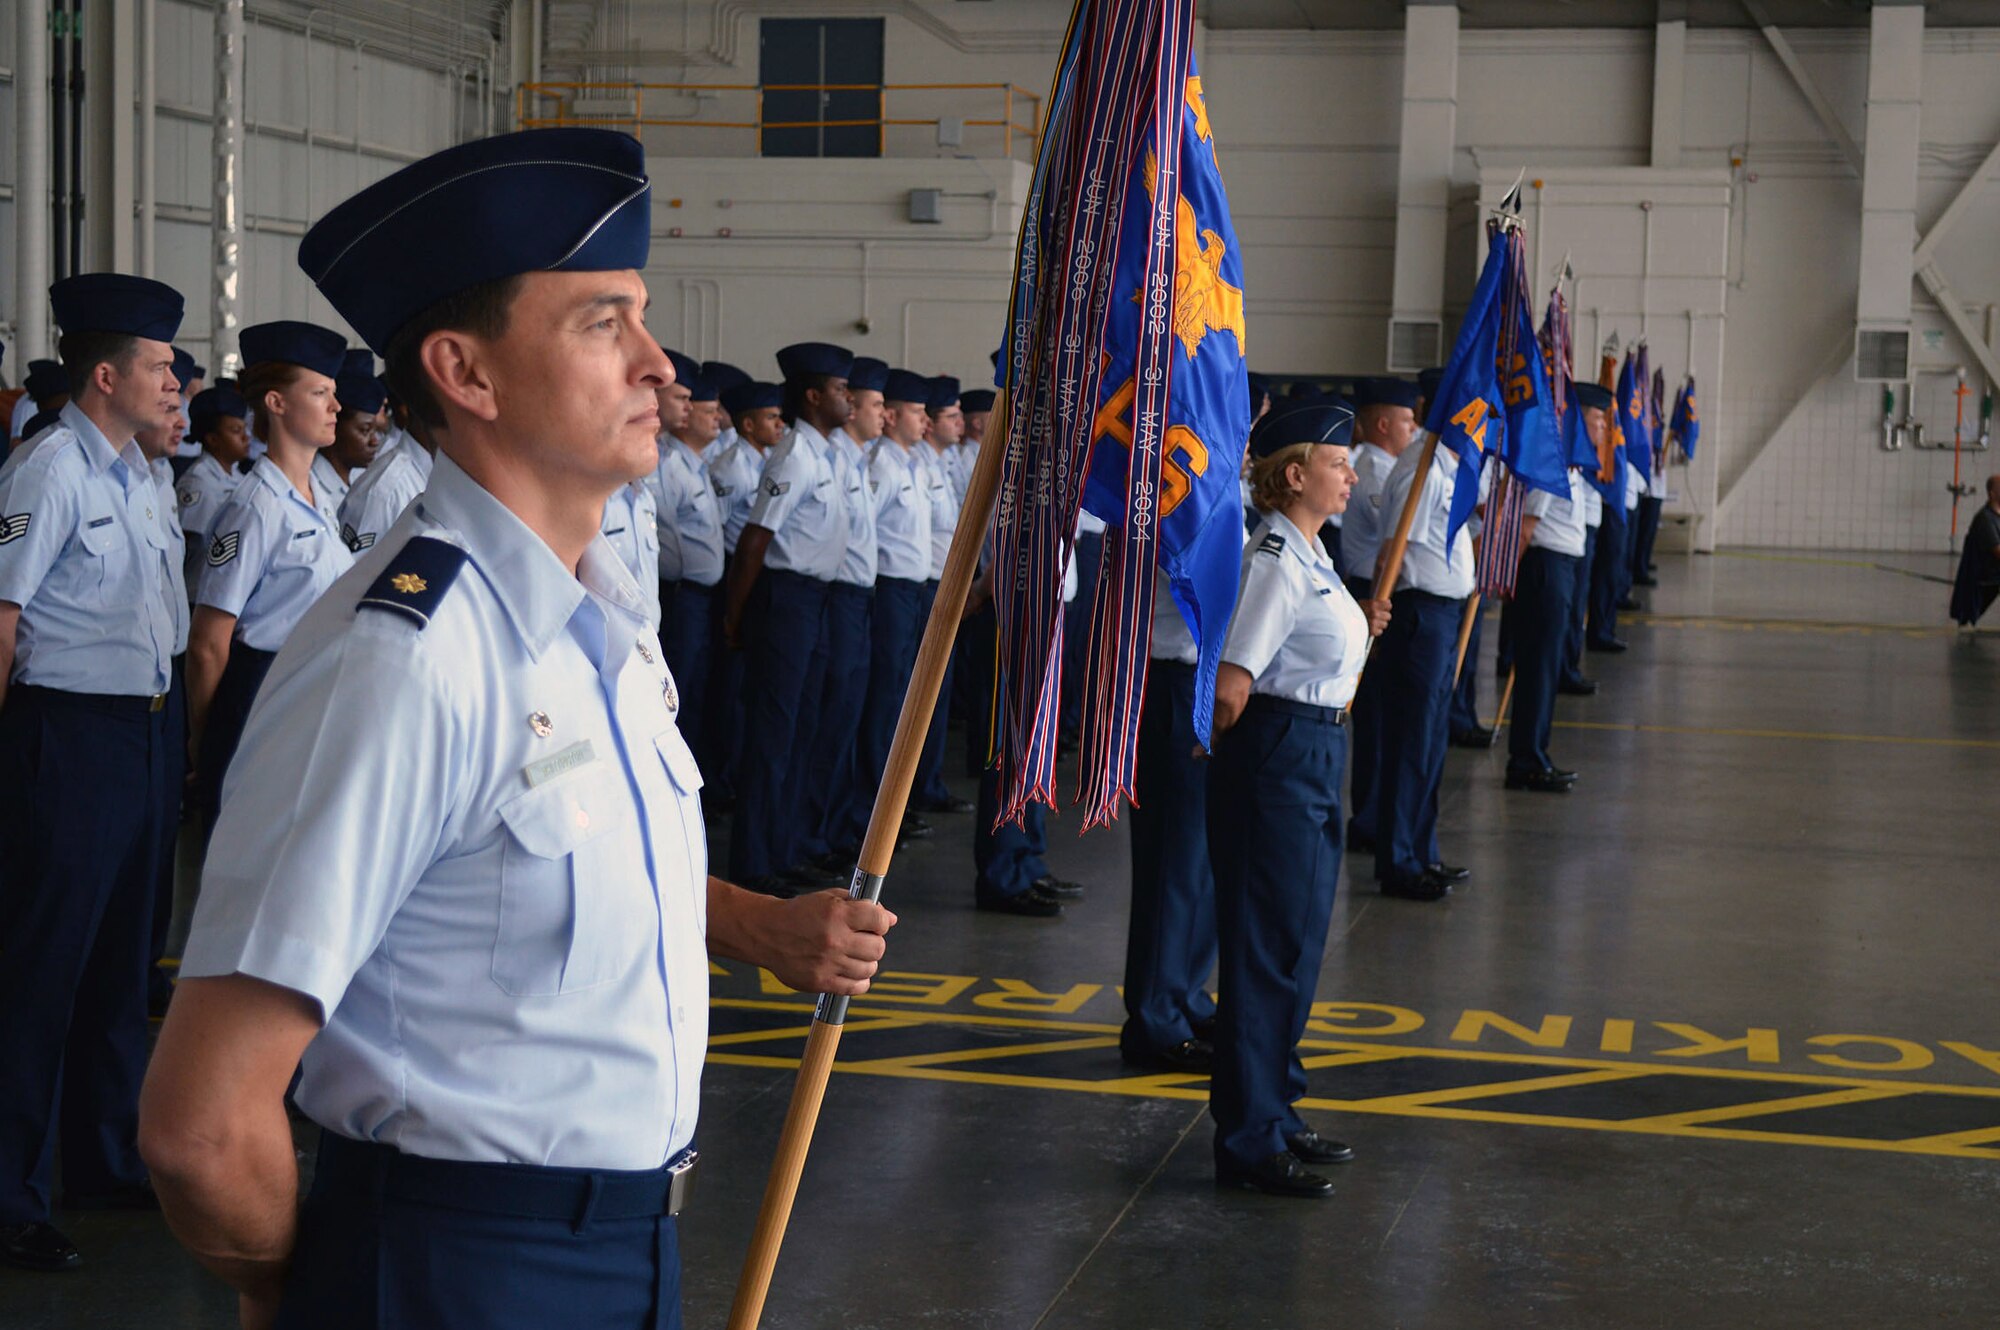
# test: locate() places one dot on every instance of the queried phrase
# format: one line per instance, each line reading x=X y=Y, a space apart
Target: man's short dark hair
x=795 y=394
x=479 y=310
x=82 y=352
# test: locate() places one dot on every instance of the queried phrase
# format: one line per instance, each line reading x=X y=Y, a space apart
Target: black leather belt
x=1285 y=706
x=118 y=703
x=524 y=1191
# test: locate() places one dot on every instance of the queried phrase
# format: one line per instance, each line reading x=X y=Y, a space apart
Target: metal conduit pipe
x=148 y=130
x=31 y=184
x=226 y=229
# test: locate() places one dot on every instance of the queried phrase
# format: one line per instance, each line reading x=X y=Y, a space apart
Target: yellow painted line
x=1983 y=1136
x=796 y=1032
x=955 y=1056
x=1816 y=736
x=1767 y=1108
x=1426 y=1098
x=915 y=1015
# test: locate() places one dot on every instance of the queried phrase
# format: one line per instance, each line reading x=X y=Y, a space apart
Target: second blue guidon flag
x=1686 y=424
x=1124 y=362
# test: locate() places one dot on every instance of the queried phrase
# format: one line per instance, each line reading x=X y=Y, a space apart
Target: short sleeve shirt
x=1559 y=524
x=799 y=501
x=1297 y=631
x=631 y=524
x=270 y=556
x=1432 y=562
x=733 y=471
x=903 y=502
x=860 y=560
x=382 y=492
x=689 y=516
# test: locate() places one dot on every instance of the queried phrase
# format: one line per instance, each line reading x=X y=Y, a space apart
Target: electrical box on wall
x=927 y=205
x=1882 y=355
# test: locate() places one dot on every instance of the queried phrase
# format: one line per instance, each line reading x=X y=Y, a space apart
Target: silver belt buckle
x=682 y=1176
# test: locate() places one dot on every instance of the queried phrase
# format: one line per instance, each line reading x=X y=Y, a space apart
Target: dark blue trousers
x=1366 y=722
x=829 y=793
x=158 y=986
x=1541 y=618
x=1170 y=941
x=784 y=642
x=1274 y=837
x=896 y=630
x=1645 y=530
x=687 y=619
x=721 y=751
x=1606 y=574
x=373 y=1256
x=80 y=841
x=1414 y=656
x=1465 y=696
x=228 y=710
x=1006 y=861
x=1579 y=610
x=929 y=789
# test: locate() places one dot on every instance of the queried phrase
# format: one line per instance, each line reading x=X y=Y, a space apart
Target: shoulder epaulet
x=1272 y=544
x=415 y=581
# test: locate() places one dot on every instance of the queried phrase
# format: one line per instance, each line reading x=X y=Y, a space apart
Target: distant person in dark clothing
x=1978 y=580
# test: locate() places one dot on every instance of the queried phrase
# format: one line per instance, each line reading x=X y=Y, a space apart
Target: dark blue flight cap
x=291 y=342
x=1589 y=394
x=686 y=369
x=700 y=389
x=212 y=404
x=722 y=374
x=803 y=358
x=868 y=374
x=1386 y=392
x=1428 y=381
x=979 y=399
x=45 y=379
x=750 y=395
x=187 y=368
x=1320 y=421
x=541 y=200
x=943 y=394
x=903 y=386
x=359 y=360
x=116 y=302
x=360 y=392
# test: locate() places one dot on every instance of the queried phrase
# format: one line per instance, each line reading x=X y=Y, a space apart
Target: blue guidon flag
x=1686 y=423
x=1124 y=362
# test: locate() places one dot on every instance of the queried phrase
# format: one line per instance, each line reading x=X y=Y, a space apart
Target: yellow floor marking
x=797 y=1032
x=1766 y=1108
x=1982 y=1136
x=1809 y=735
x=955 y=1056
x=1425 y=1098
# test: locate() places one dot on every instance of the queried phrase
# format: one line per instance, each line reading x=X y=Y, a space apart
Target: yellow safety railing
x=544 y=105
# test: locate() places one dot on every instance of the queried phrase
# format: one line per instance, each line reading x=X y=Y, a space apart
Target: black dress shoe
x=1052 y=885
x=1449 y=872
x=1646 y=580
x=138 y=1196
x=1566 y=776
x=1359 y=841
x=1029 y=904
x=949 y=804
x=1546 y=781
x=38 y=1247
x=1204 y=1029
x=1280 y=1175
x=1477 y=737
x=1610 y=645
x=1195 y=1057
x=1309 y=1147
x=914 y=827
x=1577 y=687
x=1425 y=886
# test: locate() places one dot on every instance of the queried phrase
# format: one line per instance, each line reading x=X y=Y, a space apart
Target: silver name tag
x=569 y=759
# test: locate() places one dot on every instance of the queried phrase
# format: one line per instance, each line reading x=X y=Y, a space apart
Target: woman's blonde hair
x=266 y=376
x=1270 y=488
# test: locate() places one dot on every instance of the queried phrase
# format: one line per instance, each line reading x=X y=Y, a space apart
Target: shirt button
x=582 y=818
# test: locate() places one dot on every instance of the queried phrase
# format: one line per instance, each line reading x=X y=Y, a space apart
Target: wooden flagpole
x=877 y=849
x=1506 y=696
x=1465 y=635
x=1392 y=562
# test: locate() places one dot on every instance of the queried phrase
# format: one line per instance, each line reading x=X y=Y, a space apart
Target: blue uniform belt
x=803 y=577
x=524 y=1191
x=1304 y=710
x=121 y=704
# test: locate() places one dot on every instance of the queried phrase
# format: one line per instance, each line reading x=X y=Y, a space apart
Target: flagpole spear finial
x=1509 y=210
x=1565 y=273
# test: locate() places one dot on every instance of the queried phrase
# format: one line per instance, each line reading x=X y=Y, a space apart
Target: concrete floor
x=1708 y=1043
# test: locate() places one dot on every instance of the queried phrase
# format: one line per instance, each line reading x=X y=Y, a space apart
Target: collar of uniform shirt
x=96 y=446
x=1307 y=548
x=539 y=594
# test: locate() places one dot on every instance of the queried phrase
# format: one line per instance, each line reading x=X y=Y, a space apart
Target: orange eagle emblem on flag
x=1203 y=302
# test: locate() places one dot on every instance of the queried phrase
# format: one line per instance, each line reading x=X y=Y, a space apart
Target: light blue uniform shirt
x=478 y=847
x=1559 y=523
x=733 y=471
x=1297 y=630
x=382 y=492
x=329 y=490
x=944 y=506
x=687 y=514
x=178 y=605
x=903 y=510
x=271 y=555
x=1428 y=563
x=1366 y=522
x=632 y=525
x=84 y=553
x=202 y=491
x=862 y=558
x=799 y=502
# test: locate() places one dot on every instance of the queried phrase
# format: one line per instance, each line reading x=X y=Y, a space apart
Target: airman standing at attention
x=929 y=793
x=690 y=535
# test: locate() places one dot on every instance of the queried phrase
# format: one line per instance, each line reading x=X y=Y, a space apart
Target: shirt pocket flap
x=101 y=535
x=552 y=820
x=679 y=758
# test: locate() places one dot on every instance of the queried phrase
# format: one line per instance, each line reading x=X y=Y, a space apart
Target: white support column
x=1889 y=164
x=1423 y=184
x=226 y=231
x=149 y=143
x=31 y=185
x=111 y=46
x=1670 y=38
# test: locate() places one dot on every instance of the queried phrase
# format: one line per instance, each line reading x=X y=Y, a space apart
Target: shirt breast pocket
x=575 y=901
x=111 y=556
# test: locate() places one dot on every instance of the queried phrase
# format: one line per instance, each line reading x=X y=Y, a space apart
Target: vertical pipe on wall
x=226 y=277
x=58 y=85
x=148 y=134
x=76 y=195
x=31 y=183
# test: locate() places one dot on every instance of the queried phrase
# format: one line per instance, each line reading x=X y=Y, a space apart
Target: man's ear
x=456 y=365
